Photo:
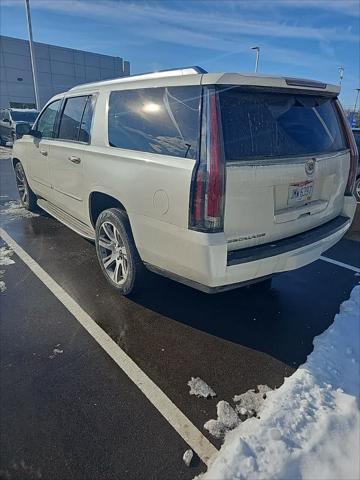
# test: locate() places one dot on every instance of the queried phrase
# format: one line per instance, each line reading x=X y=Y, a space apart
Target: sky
x=304 y=38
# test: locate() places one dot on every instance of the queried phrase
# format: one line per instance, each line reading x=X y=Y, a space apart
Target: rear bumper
x=290 y=244
x=202 y=260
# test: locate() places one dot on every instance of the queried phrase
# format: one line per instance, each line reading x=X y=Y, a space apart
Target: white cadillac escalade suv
x=216 y=180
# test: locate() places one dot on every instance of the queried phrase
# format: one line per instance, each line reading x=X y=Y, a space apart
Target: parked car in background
x=356 y=132
x=10 y=118
x=216 y=180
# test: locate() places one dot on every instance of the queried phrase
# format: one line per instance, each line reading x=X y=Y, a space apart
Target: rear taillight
x=207 y=195
x=351 y=144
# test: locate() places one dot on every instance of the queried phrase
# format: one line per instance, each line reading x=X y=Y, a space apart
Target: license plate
x=300 y=192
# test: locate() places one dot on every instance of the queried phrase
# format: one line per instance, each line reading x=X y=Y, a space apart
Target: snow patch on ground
x=2 y=283
x=14 y=209
x=187 y=457
x=56 y=351
x=310 y=427
x=200 y=388
x=5 y=254
x=227 y=419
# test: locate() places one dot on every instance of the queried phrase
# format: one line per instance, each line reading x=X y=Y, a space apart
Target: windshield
x=266 y=125
x=24 y=116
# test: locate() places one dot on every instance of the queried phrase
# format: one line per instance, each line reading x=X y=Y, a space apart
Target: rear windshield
x=266 y=125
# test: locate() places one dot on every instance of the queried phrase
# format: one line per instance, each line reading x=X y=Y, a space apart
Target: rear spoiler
x=270 y=82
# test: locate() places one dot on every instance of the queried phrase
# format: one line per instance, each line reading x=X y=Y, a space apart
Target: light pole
x=257 y=57
x=355 y=118
x=357 y=98
x=32 y=55
x=341 y=74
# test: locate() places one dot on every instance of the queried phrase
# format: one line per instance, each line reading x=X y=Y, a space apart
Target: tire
x=263 y=286
x=117 y=254
x=357 y=189
x=27 y=196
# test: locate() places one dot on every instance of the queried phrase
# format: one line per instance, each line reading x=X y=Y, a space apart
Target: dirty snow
x=5 y=254
x=200 y=388
x=310 y=427
x=227 y=419
x=187 y=457
x=5 y=259
x=5 y=153
x=2 y=283
x=250 y=403
x=14 y=209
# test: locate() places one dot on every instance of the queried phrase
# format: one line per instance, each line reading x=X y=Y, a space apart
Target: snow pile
x=200 y=388
x=5 y=254
x=310 y=427
x=14 y=209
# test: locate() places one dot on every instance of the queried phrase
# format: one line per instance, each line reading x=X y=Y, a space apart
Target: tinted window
x=47 y=121
x=71 y=118
x=277 y=124
x=156 y=120
x=24 y=116
x=84 y=135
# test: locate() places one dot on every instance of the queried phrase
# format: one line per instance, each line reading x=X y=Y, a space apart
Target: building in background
x=58 y=69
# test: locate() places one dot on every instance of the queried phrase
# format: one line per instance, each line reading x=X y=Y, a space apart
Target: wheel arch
x=15 y=161
x=100 y=201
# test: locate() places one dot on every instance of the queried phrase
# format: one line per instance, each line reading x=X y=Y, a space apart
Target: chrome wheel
x=22 y=184
x=113 y=253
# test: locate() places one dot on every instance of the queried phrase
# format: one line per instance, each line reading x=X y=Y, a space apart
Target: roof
x=196 y=75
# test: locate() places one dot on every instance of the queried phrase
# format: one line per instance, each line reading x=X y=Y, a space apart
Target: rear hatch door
x=286 y=163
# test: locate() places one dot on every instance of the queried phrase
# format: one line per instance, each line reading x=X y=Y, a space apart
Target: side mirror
x=22 y=129
x=6 y=120
x=35 y=133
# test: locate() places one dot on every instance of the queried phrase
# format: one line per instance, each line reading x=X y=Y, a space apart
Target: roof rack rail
x=142 y=76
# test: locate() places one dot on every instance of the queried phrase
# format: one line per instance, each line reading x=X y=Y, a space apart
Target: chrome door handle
x=44 y=152
x=74 y=159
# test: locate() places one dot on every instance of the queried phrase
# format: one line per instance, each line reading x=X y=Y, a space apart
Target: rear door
x=67 y=154
x=286 y=164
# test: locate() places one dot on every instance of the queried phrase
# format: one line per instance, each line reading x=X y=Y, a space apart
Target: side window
x=156 y=120
x=47 y=121
x=1 y=115
x=71 y=118
x=84 y=135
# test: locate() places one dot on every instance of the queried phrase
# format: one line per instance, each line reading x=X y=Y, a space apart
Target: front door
x=39 y=151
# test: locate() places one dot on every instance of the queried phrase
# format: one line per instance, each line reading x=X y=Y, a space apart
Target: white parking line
x=184 y=427
x=341 y=264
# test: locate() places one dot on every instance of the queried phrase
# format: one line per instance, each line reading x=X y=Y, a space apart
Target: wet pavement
x=233 y=340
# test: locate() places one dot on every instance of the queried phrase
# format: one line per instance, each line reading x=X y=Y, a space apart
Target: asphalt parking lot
x=69 y=411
